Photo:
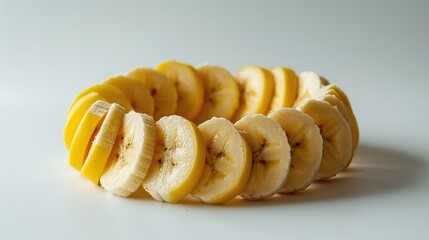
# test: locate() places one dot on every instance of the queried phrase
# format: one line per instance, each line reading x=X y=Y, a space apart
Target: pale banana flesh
x=336 y=134
x=308 y=87
x=131 y=156
x=103 y=143
x=178 y=160
x=256 y=86
x=228 y=162
x=221 y=96
x=162 y=90
x=285 y=88
x=306 y=148
x=136 y=92
x=270 y=156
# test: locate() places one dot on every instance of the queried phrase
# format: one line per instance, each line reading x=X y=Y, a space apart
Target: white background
x=377 y=51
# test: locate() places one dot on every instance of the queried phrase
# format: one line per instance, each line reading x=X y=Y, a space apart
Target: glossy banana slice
x=270 y=156
x=162 y=90
x=221 y=96
x=228 y=162
x=337 y=92
x=178 y=160
x=131 y=156
x=308 y=86
x=103 y=143
x=76 y=114
x=136 y=92
x=85 y=133
x=306 y=148
x=285 y=88
x=189 y=87
x=111 y=93
x=337 y=138
x=256 y=91
x=334 y=101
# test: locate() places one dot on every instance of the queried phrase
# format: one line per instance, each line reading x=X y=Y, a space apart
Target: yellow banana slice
x=189 y=87
x=285 y=88
x=228 y=162
x=178 y=160
x=131 y=156
x=103 y=143
x=76 y=114
x=337 y=92
x=306 y=148
x=256 y=91
x=85 y=132
x=111 y=93
x=337 y=138
x=221 y=96
x=308 y=86
x=334 y=101
x=136 y=92
x=162 y=90
x=270 y=156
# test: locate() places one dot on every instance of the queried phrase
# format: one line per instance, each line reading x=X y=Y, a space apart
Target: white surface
x=377 y=52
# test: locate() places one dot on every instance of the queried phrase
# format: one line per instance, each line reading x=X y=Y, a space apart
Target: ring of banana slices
x=179 y=131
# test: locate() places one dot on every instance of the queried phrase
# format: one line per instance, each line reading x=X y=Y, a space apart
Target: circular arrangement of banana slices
x=179 y=131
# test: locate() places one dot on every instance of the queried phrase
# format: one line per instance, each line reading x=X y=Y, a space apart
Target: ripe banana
x=337 y=138
x=103 y=143
x=85 y=133
x=76 y=114
x=111 y=93
x=178 y=160
x=256 y=90
x=221 y=96
x=162 y=90
x=270 y=156
x=228 y=162
x=306 y=148
x=308 y=87
x=285 y=88
x=334 y=101
x=189 y=87
x=136 y=92
x=131 y=156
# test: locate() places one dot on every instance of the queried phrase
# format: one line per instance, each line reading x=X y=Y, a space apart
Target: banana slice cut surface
x=228 y=162
x=178 y=160
x=309 y=84
x=285 y=88
x=270 y=156
x=306 y=148
x=131 y=156
x=336 y=134
x=162 y=90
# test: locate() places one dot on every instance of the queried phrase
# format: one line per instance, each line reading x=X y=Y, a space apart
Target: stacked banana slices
x=179 y=131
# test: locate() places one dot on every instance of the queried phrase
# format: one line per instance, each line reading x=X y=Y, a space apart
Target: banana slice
x=228 y=162
x=285 y=88
x=111 y=93
x=306 y=148
x=337 y=138
x=189 y=87
x=337 y=92
x=178 y=160
x=256 y=86
x=103 y=143
x=270 y=154
x=131 y=156
x=85 y=132
x=163 y=91
x=76 y=114
x=136 y=92
x=308 y=87
x=221 y=96
x=334 y=101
